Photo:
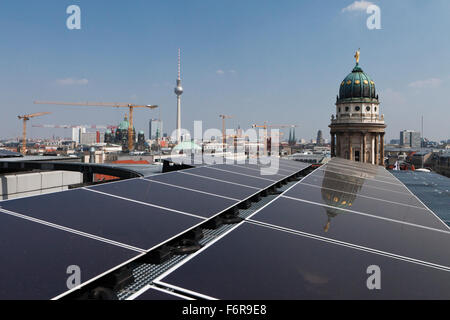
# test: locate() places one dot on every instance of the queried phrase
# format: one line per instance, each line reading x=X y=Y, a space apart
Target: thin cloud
x=428 y=83
x=72 y=82
x=221 y=72
x=358 y=6
x=392 y=97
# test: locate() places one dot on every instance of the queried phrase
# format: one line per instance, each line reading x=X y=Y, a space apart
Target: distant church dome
x=123 y=125
x=357 y=87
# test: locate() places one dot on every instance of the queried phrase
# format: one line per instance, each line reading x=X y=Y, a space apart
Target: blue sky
x=280 y=61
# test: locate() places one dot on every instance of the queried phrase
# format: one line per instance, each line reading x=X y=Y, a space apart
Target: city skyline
x=251 y=59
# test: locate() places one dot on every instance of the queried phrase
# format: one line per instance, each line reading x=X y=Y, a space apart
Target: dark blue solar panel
x=358 y=186
x=109 y=217
x=186 y=180
x=396 y=238
x=273 y=264
x=196 y=203
x=377 y=207
x=35 y=258
x=357 y=177
x=8 y=154
x=253 y=181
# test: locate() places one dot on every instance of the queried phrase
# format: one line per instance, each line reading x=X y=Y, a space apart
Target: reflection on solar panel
x=323 y=235
x=102 y=228
x=431 y=188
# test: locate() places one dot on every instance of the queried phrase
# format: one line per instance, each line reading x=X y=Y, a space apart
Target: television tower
x=179 y=92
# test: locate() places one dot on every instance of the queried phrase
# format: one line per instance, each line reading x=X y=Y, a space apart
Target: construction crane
x=25 y=118
x=224 y=137
x=101 y=104
x=65 y=126
x=266 y=126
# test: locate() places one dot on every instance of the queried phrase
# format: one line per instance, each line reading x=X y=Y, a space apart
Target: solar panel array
x=347 y=231
x=432 y=188
x=101 y=228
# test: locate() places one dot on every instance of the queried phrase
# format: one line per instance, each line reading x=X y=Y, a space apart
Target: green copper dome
x=357 y=87
x=124 y=124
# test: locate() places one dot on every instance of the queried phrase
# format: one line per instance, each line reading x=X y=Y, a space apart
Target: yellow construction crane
x=101 y=104
x=266 y=126
x=25 y=118
x=224 y=137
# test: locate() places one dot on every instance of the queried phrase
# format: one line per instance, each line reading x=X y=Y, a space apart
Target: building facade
x=410 y=139
x=320 y=140
x=155 y=129
x=358 y=128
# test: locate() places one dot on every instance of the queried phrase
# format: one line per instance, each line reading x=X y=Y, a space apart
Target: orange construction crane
x=101 y=104
x=266 y=126
x=224 y=137
x=25 y=118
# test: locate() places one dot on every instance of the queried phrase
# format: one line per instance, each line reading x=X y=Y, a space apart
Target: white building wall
x=29 y=184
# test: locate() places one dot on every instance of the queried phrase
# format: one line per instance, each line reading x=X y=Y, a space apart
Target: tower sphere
x=179 y=90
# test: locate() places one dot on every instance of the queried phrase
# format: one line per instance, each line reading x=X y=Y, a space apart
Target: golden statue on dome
x=357 y=56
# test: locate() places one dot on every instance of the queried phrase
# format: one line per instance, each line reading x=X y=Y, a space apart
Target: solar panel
x=224 y=188
x=275 y=264
x=272 y=174
x=7 y=154
x=321 y=239
x=431 y=188
x=351 y=202
x=136 y=215
x=35 y=258
x=154 y=193
x=120 y=220
x=355 y=178
x=412 y=241
x=276 y=168
x=351 y=172
x=347 y=184
x=253 y=181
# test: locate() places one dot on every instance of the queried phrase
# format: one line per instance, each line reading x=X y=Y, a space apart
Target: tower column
x=382 y=149
x=337 y=145
x=333 y=152
x=372 y=153
x=364 y=148
x=376 y=148
x=350 y=149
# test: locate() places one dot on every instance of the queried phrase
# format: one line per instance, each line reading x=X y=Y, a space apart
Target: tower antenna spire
x=179 y=64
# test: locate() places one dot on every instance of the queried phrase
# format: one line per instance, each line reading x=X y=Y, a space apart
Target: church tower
x=357 y=128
